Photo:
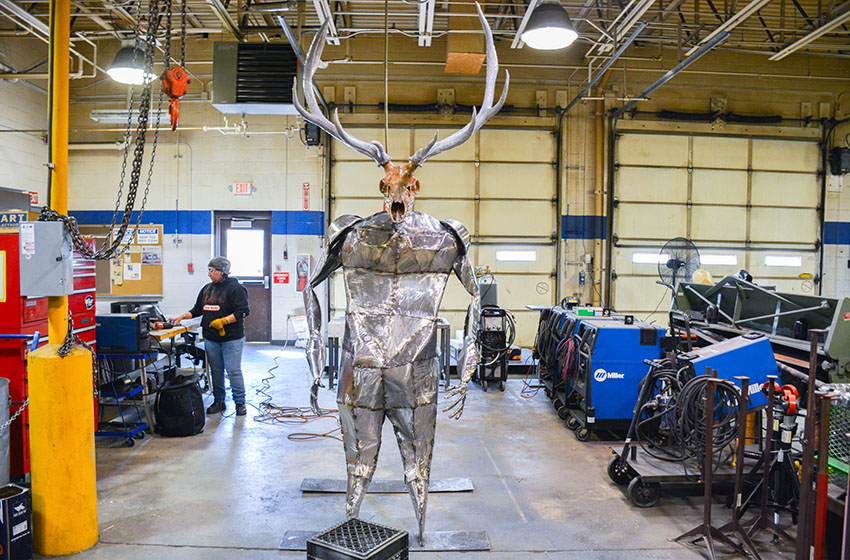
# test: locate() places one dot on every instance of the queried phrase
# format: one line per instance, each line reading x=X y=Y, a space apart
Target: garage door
x=501 y=185
x=746 y=203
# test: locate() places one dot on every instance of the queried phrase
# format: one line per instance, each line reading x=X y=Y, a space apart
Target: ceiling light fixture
x=128 y=66
x=549 y=28
x=120 y=116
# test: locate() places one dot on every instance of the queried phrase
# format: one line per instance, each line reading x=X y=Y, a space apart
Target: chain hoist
x=110 y=249
x=175 y=80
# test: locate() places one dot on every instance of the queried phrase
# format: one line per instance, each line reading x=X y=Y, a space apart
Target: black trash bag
x=179 y=407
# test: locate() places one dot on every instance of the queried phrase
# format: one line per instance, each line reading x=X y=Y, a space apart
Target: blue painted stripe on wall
x=583 y=227
x=173 y=221
x=200 y=222
x=298 y=222
x=836 y=233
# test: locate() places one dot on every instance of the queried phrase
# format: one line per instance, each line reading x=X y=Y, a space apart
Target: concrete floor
x=232 y=491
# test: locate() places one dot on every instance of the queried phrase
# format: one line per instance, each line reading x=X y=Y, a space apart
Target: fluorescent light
x=119 y=116
x=516 y=256
x=718 y=259
x=549 y=28
x=783 y=260
x=649 y=258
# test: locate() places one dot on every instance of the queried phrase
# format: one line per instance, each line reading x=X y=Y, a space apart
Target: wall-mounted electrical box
x=47 y=261
x=839 y=161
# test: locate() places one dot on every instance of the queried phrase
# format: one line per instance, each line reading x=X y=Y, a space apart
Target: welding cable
x=271 y=413
x=526 y=392
x=689 y=416
x=653 y=431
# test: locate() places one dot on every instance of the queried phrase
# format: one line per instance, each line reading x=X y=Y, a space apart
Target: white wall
x=193 y=170
x=23 y=106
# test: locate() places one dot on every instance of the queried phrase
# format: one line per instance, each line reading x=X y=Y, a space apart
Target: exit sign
x=242 y=188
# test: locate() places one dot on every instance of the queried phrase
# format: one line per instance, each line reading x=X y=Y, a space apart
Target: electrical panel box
x=839 y=161
x=47 y=260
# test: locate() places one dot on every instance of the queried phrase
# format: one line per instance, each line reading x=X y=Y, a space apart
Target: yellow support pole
x=64 y=485
x=60 y=32
x=62 y=458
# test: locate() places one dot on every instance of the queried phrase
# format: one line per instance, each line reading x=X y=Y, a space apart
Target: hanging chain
x=17 y=413
x=183 y=34
x=111 y=249
x=167 y=47
x=71 y=340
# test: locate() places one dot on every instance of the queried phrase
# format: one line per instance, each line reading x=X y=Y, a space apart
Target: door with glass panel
x=244 y=238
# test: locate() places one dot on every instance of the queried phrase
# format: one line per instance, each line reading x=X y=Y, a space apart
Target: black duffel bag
x=179 y=407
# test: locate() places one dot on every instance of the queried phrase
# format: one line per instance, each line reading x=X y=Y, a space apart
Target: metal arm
x=467 y=360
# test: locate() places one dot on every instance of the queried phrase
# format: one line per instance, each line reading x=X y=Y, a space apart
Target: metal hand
x=314 y=397
x=457 y=392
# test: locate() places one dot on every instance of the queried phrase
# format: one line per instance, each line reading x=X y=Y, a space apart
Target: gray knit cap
x=221 y=264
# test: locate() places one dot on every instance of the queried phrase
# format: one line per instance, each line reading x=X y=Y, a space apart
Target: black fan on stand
x=682 y=260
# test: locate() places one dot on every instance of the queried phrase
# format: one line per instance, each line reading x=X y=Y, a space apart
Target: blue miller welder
x=609 y=366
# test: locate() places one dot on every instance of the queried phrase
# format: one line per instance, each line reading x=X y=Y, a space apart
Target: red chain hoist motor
x=175 y=81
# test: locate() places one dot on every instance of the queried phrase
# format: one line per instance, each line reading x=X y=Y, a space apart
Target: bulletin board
x=138 y=272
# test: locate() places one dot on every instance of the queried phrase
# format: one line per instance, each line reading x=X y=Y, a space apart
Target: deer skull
x=398 y=186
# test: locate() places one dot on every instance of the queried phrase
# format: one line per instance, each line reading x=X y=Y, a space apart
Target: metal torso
x=395 y=276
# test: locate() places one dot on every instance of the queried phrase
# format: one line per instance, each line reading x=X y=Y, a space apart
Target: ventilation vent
x=253 y=78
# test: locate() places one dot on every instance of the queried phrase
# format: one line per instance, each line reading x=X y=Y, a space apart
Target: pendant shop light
x=549 y=28
x=128 y=67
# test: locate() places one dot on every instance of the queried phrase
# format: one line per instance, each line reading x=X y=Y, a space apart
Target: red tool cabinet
x=25 y=315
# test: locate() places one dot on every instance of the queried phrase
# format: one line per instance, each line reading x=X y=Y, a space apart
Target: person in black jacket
x=223 y=305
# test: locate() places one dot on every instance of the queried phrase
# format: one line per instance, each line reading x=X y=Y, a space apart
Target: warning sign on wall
x=306 y=189
x=280 y=277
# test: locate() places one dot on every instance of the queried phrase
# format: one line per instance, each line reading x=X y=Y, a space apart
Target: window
x=650 y=258
x=516 y=256
x=731 y=260
x=783 y=260
x=245 y=252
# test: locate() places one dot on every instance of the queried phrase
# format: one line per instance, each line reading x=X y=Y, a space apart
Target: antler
x=374 y=149
x=478 y=118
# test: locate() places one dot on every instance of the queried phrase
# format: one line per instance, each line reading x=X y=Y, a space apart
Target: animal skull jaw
x=397 y=210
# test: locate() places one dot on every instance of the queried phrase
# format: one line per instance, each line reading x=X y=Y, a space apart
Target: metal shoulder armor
x=341 y=226
x=460 y=232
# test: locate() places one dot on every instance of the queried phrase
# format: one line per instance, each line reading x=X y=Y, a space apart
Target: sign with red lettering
x=33 y=198
x=281 y=277
x=242 y=188
x=306 y=188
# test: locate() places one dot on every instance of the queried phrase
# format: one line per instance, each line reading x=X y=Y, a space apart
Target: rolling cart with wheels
x=493 y=333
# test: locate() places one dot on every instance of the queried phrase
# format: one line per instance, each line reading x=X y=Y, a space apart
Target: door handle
x=266 y=282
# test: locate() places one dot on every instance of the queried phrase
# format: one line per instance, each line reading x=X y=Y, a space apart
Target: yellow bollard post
x=64 y=486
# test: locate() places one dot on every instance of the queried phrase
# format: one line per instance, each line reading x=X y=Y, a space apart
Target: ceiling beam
x=221 y=13
x=817 y=33
x=731 y=23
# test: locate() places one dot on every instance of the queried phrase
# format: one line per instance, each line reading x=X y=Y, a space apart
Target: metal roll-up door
x=746 y=203
x=501 y=185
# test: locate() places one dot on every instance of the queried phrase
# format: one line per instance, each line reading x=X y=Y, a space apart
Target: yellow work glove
x=218 y=324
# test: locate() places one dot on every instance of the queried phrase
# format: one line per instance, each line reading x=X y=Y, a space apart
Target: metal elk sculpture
x=396 y=264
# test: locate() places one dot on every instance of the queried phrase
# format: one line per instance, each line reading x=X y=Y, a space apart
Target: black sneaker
x=241 y=409
x=216 y=407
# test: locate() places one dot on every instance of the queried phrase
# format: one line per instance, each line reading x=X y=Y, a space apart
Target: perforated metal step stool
x=359 y=540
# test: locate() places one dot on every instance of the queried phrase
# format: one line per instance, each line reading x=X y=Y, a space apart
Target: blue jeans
x=226 y=356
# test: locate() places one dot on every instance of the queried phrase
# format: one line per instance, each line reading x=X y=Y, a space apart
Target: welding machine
x=749 y=355
x=123 y=333
x=609 y=368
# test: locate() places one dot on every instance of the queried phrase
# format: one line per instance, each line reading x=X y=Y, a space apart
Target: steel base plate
x=338 y=486
x=435 y=541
